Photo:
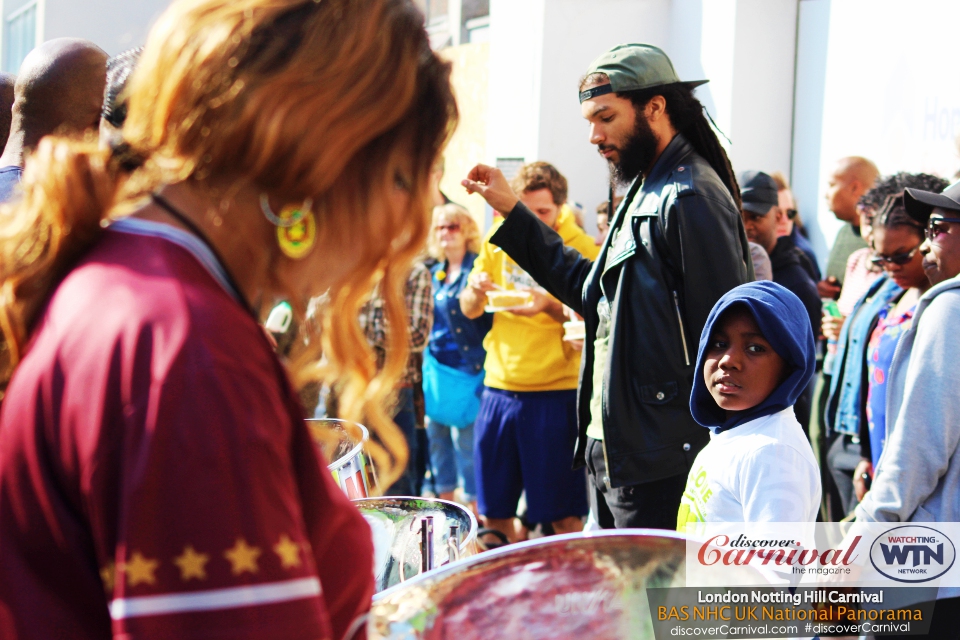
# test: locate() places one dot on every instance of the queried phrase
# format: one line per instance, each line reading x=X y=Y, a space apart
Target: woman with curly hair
x=156 y=475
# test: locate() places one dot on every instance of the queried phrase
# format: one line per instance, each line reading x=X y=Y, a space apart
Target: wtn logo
x=899 y=554
x=912 y=553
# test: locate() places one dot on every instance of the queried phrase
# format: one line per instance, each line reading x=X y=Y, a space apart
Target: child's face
x=741 y=369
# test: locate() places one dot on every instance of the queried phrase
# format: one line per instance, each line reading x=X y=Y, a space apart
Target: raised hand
x=492 y=186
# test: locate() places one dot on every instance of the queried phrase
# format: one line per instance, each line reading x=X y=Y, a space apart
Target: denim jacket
x=845 y=405
x=449 y=322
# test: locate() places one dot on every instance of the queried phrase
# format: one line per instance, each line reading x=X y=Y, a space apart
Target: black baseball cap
x=758 y=192
x=919 y=204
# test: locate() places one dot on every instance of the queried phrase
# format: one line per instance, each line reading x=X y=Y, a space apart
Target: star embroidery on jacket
x=108 y=574
x=192 y=564
x=288 y=551
x=140 y=569
x=242 y=557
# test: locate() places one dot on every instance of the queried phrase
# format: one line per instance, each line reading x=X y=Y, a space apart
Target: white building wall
x=730 y=42
x=813 y=27
x=516 y=58
x=892 y=89
x=114 y=25
x=761 y=117
x=575 y=33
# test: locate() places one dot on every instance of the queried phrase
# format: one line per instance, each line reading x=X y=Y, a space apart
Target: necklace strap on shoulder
x=192 y=226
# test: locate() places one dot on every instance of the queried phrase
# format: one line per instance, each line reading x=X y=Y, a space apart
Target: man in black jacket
x=791 y=268
x=676 y=244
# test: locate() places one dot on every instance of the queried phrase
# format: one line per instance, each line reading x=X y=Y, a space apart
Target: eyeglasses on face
x=938 y=225
x=897 y=259
x=453 y=227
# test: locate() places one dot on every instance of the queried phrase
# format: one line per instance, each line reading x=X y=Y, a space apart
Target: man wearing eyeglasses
x=918 y=476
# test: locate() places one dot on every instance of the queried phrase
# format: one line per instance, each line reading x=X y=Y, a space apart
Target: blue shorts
x=526 y=441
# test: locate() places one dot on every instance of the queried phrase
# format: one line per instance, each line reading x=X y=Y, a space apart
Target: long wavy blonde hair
x=335 y=100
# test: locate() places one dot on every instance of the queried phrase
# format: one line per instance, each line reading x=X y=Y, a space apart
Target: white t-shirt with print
x=760 y=471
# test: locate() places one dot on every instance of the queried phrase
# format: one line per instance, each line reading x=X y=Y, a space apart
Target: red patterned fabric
x=156 y=477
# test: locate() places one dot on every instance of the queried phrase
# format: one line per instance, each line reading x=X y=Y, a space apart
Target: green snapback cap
x=632 y=67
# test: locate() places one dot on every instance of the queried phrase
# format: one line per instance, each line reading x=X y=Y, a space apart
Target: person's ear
x=779 y=213
x=656 y=108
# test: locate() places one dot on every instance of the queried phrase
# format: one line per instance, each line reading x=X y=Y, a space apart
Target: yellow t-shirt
x=528 y=353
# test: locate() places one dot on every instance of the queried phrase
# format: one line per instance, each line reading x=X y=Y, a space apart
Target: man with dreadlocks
x=676 y=245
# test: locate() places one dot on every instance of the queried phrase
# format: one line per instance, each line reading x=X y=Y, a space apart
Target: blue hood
x=784 y=322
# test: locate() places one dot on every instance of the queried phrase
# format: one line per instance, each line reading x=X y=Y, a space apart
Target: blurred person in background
x=604 y=210
x=792 y=225
x=850 y=179
x=917 y=478
x=114 y=113
x=418 y=303
x=762 y=268
x=453 y=362
x=156 y=473
x=438 y=197
x=674 y=248
x=844 y=412
x=761 y=217
x=59 y=89
x=527 y=424
x=7 y=83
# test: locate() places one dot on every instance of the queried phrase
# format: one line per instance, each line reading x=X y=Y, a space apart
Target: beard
x=636 y=153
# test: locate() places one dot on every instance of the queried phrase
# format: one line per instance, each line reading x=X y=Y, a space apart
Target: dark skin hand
x=490 y=183
x=829 y=288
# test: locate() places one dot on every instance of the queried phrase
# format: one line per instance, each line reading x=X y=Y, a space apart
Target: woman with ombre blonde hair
x=156 y=475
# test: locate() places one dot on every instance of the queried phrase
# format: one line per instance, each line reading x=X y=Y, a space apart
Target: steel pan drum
x=348 y=464
x=397 y=525
x=585 y=585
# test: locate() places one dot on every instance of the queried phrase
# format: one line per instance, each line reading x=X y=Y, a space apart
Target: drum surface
x=395 y=523
x=587 y=586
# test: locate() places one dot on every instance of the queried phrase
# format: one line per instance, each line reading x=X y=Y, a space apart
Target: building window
x=20 y=36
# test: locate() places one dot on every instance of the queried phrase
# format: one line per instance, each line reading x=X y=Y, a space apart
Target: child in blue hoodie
x=756 y=356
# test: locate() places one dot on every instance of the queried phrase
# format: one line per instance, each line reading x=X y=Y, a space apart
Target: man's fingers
x=473 y=186
x=480 y=173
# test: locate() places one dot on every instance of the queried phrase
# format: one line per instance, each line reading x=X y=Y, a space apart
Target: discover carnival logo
x=726 y=551
x=912 y=553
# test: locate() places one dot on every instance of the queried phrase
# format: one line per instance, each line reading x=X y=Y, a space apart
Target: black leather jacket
x=680 y=247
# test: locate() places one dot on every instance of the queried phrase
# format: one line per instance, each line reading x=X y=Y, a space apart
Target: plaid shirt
x=418 y=296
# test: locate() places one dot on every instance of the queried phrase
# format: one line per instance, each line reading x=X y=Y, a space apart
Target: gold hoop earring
x=299 y=233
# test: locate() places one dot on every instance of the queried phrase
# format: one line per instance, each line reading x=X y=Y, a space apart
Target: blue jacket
x=783 y=322
x=456 y=340
x=847 y=400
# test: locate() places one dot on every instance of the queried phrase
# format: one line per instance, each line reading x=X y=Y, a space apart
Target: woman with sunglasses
x=918 y=476
x=844 y=413
x=895 y=240
x=453 y=362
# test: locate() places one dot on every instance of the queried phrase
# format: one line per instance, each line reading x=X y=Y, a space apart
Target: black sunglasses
x=938 y=225
x=897 y=259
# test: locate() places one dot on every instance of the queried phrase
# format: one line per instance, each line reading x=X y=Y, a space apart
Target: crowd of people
x=689 y=364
